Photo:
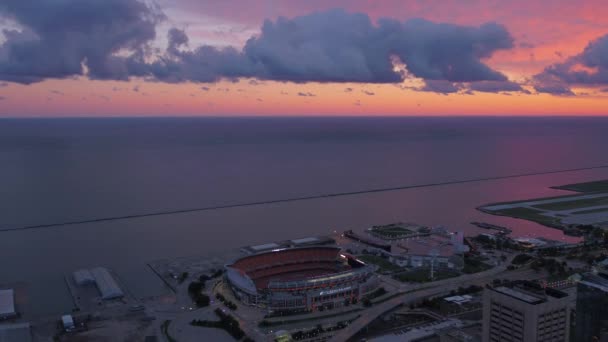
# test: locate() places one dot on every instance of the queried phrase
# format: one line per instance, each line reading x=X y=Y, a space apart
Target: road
x=414 y=294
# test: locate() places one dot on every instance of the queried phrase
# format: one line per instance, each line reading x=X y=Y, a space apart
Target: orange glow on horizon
x=109 y=98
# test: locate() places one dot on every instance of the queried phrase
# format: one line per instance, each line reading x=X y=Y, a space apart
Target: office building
x=525 y=311
x=592 y=308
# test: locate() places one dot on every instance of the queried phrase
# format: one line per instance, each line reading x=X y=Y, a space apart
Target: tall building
x=525 y=311
x=592 y=308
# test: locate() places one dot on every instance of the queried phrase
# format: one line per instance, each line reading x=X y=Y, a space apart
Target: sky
x=65 y=58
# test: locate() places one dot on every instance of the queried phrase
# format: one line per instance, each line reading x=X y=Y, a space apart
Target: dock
x=502 y=230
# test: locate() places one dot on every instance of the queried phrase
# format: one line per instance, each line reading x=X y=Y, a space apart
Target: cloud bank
x=589 y=68
x=68 y=38
x=111 y=40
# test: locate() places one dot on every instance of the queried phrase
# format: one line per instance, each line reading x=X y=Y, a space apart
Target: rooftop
x=265 y=246
x=598 y=281
x=438 y=245
x=106 y=284
x=459 y=299
x=530 y=292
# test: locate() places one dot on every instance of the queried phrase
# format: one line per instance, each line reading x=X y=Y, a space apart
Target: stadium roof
x=264 y=247
x=7 y=303
x=241 y=280
x=305 y=240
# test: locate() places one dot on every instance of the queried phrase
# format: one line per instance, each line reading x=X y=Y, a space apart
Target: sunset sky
x=351 y=57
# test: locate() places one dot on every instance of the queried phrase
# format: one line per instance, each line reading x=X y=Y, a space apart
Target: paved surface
x=545 y=201
x=432 y=289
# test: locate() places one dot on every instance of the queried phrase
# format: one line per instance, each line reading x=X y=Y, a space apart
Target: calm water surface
x=72 y=169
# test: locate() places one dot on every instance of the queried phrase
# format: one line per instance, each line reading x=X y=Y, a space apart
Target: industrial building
x=106 y=283
x=83 y=277
x=592 y=308
x=300 y=279
x=525 y=311
x=101 y=277
x=7 y=304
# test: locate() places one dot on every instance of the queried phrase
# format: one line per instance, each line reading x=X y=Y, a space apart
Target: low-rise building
x=68 y=322
x=7 y=304
x=441 y=249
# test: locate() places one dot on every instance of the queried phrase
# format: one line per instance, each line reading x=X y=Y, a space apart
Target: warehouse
x=83 y=277
x=106 y=284
x=7 y=304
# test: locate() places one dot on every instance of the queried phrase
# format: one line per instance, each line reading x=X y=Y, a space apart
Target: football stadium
x=301 y=279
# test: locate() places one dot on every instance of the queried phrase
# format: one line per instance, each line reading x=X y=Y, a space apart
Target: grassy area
x=474 y=265
x=390 y=231
x=226 y=322
x=384 y=264
x=528 y=214
x=590 y=211
x=580 y=203
x=521 y=259
x=595 y=186
x=423 y=275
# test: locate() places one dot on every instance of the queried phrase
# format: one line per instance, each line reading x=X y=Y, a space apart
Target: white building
x=68 y=322
x=7 y=304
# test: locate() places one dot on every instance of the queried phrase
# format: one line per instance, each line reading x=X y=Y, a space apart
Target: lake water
x=54 y=170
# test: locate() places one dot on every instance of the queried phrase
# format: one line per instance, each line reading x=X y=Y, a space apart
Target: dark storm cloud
x=590 y=67
x=441 y=87
x=447 y=87
x=111 y=39
x=58 y=37
x=336 y=46
x=495 y=86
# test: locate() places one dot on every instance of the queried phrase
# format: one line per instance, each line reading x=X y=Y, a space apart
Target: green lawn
x=384 y=264
x=390 y=231
x=580 y=203
x=595 y=186
x=590 y=211
x=528 y=214
x=474 y=265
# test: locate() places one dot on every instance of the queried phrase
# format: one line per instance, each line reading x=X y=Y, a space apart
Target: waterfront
x=52 y=172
